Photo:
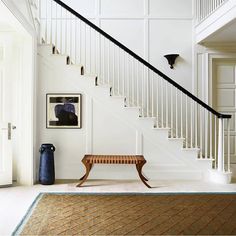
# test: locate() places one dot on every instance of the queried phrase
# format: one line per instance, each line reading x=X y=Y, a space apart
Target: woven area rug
x=130 y=214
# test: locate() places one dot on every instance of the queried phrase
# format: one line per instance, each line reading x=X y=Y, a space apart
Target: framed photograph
x=64 y=111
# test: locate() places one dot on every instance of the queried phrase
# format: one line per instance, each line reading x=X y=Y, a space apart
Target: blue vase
x=46 y=166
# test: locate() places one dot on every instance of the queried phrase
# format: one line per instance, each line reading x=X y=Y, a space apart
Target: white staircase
x=117 y=127
x=180 y=136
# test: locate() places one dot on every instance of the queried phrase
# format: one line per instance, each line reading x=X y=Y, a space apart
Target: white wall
x=102 y=132
x=151 y=28
x=107 y=128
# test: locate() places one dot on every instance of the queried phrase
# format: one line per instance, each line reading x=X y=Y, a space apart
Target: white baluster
x=171 y=112
x=152 y=85
x=221 y=145
x=108 y=62
x=71 y=39
x=56 y=27
x=147 y=90
x=46 y=24
x=85 y=48
x=66 y=34
x=127 y=79
x=51 y=22
x=99 y=55
x=176 y=113
x=181 y=115
x=61 y=32
x=90 y=51
x=133 y=82
x=206 y=132
x=144 y=90
x=138 y=83
x=186 y=120
x=228 y=145
x=104 y=56
x=124 y=73
x=143 y=81
x=196 y=125
x=80 y=42
x=40 y=17
x=76 y=39
x=103 y=43
x=157 y=101
x=118 y=71
x=162 y=103
x=201 y=131
x=113 y=69
x=211 y=144
x=96 y=52
x=191 y=125
x=216 y=146
x=167 y=104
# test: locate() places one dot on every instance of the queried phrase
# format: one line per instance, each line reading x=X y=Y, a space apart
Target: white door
x=224 y=96
x=5 y=134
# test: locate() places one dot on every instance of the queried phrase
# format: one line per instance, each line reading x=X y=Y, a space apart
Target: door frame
x=26 y=163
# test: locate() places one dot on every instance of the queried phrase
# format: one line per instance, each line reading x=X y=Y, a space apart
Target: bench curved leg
x=88 y=167
x=139 y=169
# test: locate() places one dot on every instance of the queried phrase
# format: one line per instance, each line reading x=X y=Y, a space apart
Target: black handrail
x=219 y=115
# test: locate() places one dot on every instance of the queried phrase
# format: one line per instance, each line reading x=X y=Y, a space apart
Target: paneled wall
x=151 y=28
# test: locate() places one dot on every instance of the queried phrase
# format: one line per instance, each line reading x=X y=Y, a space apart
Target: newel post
x=221 y=146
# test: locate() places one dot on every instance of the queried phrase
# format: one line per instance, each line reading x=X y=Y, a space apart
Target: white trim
x=219 y=177
x=20 y=17
x=126 y=17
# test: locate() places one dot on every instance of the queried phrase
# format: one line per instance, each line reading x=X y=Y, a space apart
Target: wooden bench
x=89 y=160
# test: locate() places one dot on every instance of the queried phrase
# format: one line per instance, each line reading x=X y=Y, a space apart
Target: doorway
x=224 y=96
x=17 y=78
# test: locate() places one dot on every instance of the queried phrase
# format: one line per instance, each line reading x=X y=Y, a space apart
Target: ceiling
x=226 y=34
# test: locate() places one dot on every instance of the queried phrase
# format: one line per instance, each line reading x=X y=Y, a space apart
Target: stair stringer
x=119 y=130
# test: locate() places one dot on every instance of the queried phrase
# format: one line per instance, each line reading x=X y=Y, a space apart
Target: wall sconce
x=171 y=59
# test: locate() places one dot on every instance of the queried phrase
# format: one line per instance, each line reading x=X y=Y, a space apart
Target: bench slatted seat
x=89 y=160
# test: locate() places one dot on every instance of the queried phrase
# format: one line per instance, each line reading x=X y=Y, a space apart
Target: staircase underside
x=108 y=127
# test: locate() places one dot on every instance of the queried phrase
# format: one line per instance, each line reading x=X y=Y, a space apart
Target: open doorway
x=16 y=100
x=224 y=97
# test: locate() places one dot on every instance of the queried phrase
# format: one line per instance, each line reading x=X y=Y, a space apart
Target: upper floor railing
x=204 y=8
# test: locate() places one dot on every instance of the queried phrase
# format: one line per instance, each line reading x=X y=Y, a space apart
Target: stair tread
x=176 y=139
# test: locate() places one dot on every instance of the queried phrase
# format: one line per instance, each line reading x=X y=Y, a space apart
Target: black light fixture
x=171 y=59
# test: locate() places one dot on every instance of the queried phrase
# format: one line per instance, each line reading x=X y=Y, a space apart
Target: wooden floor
x=129 y=214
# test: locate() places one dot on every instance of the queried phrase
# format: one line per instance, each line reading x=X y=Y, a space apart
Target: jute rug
x=131 y=214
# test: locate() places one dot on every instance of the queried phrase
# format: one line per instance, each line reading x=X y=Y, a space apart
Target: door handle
x=8 y=131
